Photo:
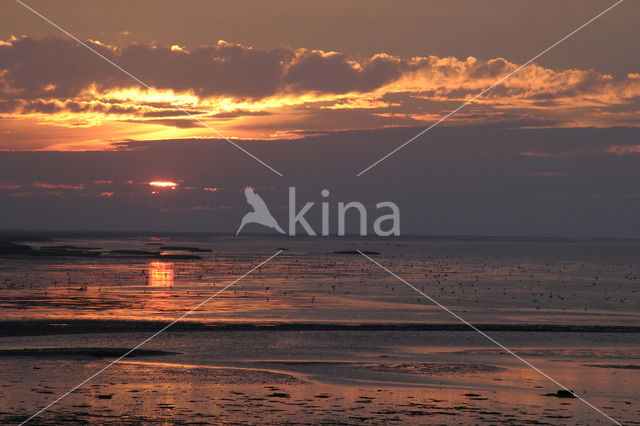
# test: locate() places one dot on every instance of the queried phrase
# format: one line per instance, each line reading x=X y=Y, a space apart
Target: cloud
x=332 y=72
x=42 y=185
x=169 y=113
x=611 y=149
x=239 y=113
x=251 y=93
x=47 y=185
x=181 y=123
x=623 y=149
x=563 y=154
x=63 y=68
x=23 y=194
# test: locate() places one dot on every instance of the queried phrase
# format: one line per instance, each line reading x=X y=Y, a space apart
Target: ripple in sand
x=431 y=368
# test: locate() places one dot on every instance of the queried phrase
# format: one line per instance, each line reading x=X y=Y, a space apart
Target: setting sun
x=163 y=184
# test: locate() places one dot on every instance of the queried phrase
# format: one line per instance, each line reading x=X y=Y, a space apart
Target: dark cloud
x=180 y=123
x=494 y=68
x=63 y=69
x=47 y=107
x=239 y=113
x=332 y=72
x=51 y=106
x=169 y=113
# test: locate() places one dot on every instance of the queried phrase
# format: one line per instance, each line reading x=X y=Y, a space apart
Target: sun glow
x=163 y=184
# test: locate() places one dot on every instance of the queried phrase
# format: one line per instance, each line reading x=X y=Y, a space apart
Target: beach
x=322 y=335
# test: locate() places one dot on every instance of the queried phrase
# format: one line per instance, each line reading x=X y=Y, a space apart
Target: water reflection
x=161 y=274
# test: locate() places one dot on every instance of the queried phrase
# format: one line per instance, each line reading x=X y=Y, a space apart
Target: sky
x=319 y=92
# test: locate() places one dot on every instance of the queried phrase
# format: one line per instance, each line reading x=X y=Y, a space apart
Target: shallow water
x=301 y=372
x=484 y=281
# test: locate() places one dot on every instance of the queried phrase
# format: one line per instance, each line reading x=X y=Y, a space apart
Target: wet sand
x=330 y=376
x=322 y=337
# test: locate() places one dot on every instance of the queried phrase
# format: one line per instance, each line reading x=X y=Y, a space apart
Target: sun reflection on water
x=161 y=274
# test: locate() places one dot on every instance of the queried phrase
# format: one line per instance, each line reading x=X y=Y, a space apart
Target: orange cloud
x=47 y=185
x=42 y=185
x=57 y=194
x=564 y=154
x=9 y=186
x=250 y=93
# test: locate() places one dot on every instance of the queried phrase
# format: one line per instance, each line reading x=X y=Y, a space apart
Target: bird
x=260 y=213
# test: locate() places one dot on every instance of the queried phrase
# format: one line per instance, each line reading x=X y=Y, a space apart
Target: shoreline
x=39 y=327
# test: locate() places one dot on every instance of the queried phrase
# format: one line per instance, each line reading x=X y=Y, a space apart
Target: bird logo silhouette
x=260 y=213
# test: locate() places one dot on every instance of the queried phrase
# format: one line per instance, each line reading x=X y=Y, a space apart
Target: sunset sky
x=320 y=91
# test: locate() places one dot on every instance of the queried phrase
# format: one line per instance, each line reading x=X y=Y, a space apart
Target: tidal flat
x=321 y=336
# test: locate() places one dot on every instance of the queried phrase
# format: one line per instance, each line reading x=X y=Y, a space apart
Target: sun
x=163 y=184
